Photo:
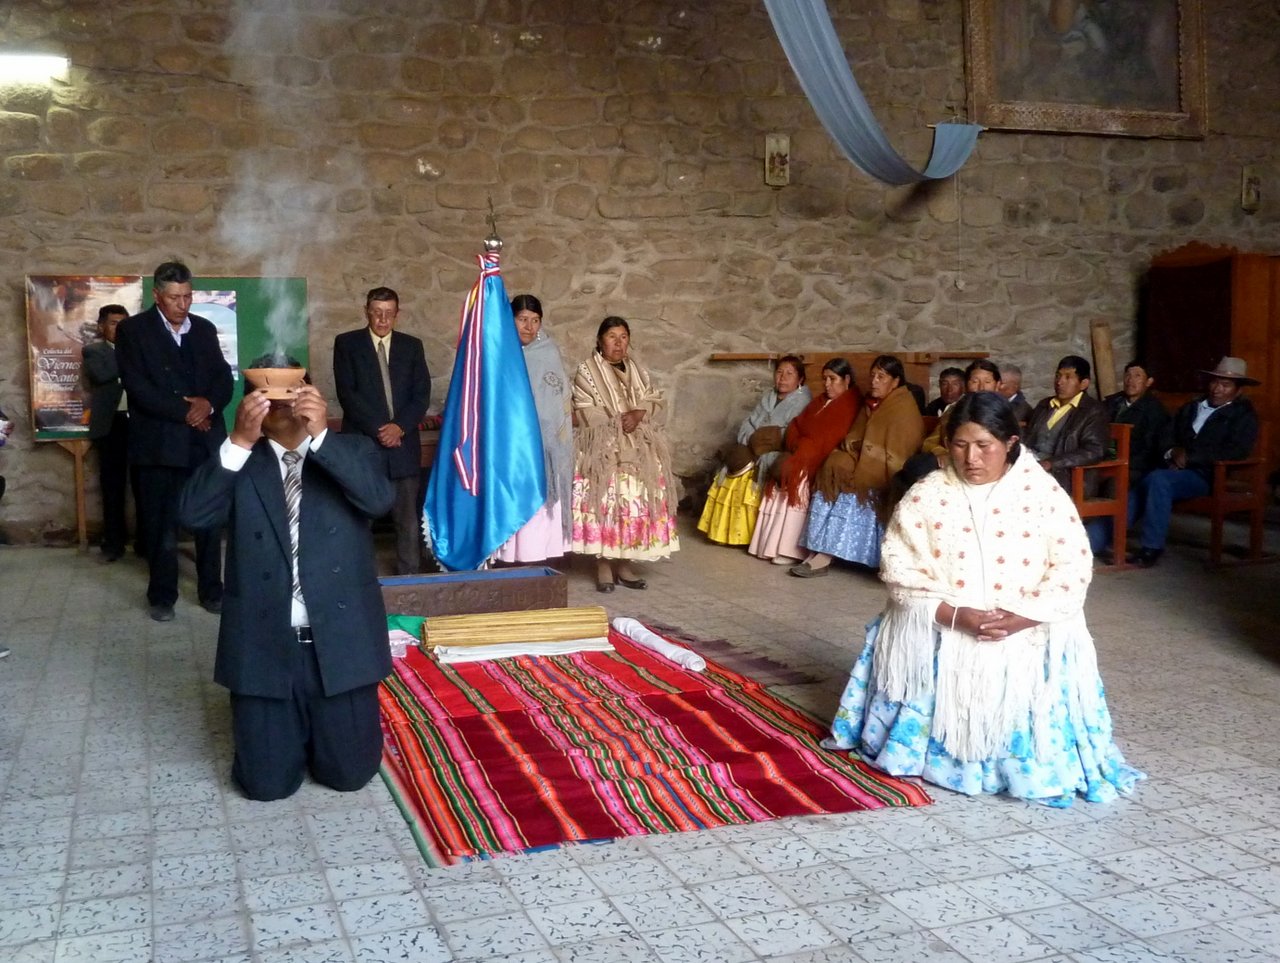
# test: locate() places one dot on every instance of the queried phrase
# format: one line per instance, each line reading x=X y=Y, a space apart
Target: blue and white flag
x=489 y=477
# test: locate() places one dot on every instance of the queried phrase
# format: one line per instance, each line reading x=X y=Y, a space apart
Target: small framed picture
x=777 y=160
x=1250 y=190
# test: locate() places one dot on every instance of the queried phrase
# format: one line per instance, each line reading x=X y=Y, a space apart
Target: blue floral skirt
x=846 y=528
x=897 y=737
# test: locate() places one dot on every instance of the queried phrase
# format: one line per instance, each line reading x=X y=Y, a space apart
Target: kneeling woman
x=980 y=675
x=729 y=516
x=850 y=499
x=809 y=440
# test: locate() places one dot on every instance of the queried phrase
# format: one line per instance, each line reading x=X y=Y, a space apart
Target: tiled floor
x=121 y=839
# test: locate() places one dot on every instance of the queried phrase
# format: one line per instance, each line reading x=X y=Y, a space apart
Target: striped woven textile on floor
x=526 y=753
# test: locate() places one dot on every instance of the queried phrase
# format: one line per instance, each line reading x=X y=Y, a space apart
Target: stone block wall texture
x=359 y=144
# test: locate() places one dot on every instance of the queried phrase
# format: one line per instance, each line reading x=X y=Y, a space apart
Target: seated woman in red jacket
x=810 y=438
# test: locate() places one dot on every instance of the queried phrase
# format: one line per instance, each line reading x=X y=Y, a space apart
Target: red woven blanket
x=519 y=754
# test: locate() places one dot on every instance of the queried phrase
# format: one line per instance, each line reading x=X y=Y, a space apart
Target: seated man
x=950 y=388
x=1220 y=426
x=1011 y=388
x=1138 y=406
x=1071 y=428
x=1135 y=405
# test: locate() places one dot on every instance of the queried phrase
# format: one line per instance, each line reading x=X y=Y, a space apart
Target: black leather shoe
x=1148 y=557
x=604 y=586
x=213 y=607
x=632 y=583
x=162 y=613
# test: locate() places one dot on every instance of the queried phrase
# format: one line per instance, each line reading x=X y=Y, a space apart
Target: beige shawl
x=601 y=395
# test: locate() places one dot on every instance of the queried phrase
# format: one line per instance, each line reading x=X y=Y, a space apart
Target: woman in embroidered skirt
x=850 y=499
x=810 y=438
x=624 y=500
x=729 y=516
x=549 y=533
x=980 y=675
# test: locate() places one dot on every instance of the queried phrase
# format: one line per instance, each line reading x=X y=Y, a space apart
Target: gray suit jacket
x=102 y=375
x=343 y=487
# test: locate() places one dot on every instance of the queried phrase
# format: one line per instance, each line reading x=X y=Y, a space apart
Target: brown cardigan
x=881 y=439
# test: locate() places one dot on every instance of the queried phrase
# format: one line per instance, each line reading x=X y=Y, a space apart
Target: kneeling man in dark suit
x=303 y=640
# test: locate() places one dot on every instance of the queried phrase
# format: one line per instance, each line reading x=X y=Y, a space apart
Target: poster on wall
x=62 y=317
x=254 y=316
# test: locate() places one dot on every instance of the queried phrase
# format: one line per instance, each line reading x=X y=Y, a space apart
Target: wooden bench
x=1115 y=505
x=1239 y=487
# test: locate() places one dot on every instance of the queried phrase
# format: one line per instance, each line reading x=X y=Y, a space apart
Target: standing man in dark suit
x=177 y=382
x=1221 y=426
x=109 y=427
x=384 y=388
x=303 y=639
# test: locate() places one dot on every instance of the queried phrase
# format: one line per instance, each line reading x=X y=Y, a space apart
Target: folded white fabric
x=509 y=650
x=678 y=654
x=400 y=642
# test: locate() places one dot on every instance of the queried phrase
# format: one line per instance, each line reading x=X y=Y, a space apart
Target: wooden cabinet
x=1201 y=303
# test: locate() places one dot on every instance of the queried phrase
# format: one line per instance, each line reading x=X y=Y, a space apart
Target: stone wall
x=621 y=144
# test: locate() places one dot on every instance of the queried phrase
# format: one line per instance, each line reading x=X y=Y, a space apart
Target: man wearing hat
x=1220 y=426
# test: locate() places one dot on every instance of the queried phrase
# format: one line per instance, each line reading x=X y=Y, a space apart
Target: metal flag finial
x=492 y=243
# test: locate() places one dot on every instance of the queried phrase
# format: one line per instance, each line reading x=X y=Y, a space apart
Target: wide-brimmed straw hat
x=1233 y=368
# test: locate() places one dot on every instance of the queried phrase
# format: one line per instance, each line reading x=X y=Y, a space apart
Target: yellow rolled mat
x=498 y=628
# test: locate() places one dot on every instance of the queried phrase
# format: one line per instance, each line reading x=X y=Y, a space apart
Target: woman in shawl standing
x=549 y=533
x=623 y=500
x=850 y=499
x=809 y=440
x=729 y=516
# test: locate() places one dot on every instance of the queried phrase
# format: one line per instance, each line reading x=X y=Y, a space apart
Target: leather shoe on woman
x=805 y=570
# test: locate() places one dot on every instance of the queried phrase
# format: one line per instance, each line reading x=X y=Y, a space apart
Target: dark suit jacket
x=102 y=375
x=156 y=379
x=1229 y=433
x=1149 y=439
x=343 y=487
x=1082 y=440
x=364 y=404
x=1021 y=407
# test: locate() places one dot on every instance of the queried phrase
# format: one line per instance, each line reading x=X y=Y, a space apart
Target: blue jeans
x=1156 y=495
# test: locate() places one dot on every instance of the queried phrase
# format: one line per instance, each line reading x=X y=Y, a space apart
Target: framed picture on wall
x=1132 y=68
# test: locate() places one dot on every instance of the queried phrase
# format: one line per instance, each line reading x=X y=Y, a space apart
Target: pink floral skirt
x=622 y=526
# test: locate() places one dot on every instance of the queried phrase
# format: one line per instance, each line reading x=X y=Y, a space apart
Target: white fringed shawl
x=1023 y=550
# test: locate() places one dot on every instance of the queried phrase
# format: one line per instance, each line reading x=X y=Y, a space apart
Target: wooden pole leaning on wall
x=79 y=447
x=1104 y=365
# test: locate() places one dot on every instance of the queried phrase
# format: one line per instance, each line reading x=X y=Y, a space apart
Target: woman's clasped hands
x=986 y=625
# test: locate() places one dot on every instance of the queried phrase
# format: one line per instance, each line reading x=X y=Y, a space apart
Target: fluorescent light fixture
x=31 y=68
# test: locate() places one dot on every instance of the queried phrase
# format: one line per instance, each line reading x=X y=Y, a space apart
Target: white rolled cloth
x=678 y=654
x=510 y=650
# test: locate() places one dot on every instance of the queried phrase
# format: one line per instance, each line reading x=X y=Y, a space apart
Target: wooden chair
x=1114 y=505
x=1239 y=487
